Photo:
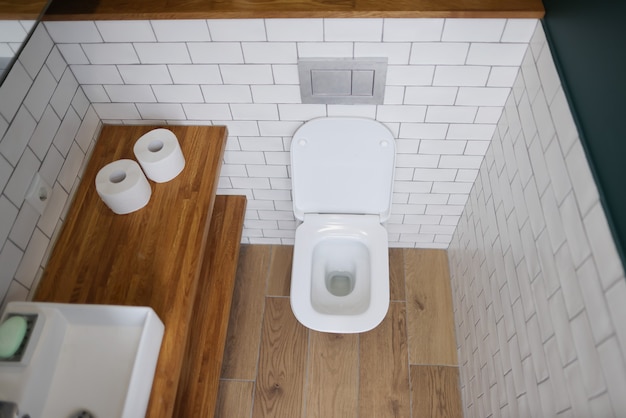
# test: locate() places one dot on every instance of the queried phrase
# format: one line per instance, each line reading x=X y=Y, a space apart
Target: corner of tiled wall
x=538 y=285
x=447 y=83
x=47 y=126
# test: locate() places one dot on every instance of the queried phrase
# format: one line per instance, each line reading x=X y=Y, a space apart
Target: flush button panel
x=342 y=81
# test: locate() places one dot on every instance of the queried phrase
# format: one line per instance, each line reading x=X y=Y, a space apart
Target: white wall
x=12 y=35
x=446 y=85
x=47 y=125
x=538 y=285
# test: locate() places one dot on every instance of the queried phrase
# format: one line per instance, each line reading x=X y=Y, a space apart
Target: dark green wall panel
x=588 y=42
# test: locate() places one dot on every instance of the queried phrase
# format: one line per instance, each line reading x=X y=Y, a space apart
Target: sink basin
x=95 y=358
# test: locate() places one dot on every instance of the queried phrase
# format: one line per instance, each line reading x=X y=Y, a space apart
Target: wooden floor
x=275 y=367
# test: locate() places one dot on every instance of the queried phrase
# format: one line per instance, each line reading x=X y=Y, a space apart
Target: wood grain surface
x=396 y=274
x=384 y=370
x=235 y=399
x=22 y=9
x=279 y=279
x=151 y=257
x=244 y=328
x=200 y=376
x=220 y=9
x=332 y=376
x=436 y=392
x=430 y=319
x=282 y=363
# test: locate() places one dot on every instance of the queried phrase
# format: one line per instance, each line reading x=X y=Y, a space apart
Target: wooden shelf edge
x=199 y=382
x=278 y=14
x=288 y=9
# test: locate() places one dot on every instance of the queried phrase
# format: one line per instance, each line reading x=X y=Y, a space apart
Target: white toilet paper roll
x=123 y=187
x=160 y=155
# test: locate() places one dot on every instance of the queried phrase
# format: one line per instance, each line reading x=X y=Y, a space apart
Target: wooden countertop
x=231 y=9
x=151 y=257
x=22 y=9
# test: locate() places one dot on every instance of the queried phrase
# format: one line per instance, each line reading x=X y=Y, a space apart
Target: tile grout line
x=235 y=380
x=253 y=398
x=434 y=365
x=258 y=354
x=306 y=374
x=358 y=375
x=406 y=326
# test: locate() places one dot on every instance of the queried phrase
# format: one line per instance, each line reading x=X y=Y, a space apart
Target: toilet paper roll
x=160 y=155
x=123 y=187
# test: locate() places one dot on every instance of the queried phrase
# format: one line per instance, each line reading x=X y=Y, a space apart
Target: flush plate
x=342 y=80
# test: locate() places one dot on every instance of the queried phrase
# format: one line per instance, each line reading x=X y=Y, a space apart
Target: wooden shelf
x=152 y=257
x=22 y=9
x=200 y=378
x=237 y=9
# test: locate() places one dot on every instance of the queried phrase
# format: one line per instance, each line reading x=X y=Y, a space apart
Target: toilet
x=342 y=175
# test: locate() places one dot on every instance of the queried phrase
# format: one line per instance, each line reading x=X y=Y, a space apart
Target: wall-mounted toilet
x=342 y=175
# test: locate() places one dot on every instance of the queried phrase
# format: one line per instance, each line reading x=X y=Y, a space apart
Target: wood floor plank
x=384 y=371
x=282 y=363
x=244 y=327
x=435 y=392
x=396 y=274
x=234 y=399
x=291 y=383
x=279 y=280
x=430 y=319
x=332 y=375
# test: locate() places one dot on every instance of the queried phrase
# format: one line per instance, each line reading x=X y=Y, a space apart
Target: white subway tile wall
x=447 y=83
x=47 y=126
x=538 y=286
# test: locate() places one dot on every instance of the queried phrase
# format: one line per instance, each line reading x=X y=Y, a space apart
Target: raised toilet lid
x=342 y=165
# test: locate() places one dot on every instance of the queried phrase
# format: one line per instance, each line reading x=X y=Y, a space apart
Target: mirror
x=18 y=18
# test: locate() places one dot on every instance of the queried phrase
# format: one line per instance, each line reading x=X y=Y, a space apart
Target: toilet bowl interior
x=340 y=283
x=340 y=273
x=340 y=276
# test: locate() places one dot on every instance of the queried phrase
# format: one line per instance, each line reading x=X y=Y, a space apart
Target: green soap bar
x=12 y=332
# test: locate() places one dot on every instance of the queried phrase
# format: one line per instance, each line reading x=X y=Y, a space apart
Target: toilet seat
x=363 y=229
x=342 y=165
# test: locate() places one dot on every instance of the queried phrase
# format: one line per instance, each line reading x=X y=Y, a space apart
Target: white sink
x=96 y=358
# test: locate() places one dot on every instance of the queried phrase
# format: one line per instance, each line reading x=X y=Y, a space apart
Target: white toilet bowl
x=340 y=275
x=342 y=176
